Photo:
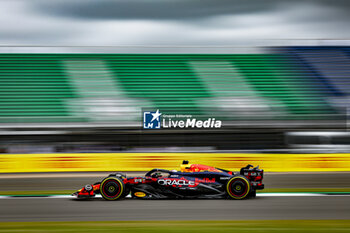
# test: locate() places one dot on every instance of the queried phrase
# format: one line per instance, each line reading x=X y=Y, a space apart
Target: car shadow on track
x=163 y=199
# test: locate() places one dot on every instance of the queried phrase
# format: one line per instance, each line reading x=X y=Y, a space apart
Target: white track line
x=290 y=194
x=129 y=196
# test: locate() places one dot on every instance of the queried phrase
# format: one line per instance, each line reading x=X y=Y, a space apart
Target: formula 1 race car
x=193 y=181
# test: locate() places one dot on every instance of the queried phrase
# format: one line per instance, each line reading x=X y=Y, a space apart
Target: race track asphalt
x=263 y=207
x=51 y=209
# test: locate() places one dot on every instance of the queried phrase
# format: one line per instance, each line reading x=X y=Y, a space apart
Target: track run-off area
x=266 y=206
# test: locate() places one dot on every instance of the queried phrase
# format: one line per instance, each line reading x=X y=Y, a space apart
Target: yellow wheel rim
x=235 y=178
x=111 y=188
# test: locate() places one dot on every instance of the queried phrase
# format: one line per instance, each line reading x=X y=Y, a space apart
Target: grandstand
x=284 y=89
x=98 y=87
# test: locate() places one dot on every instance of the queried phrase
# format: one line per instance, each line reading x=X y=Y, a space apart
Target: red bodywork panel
x=84 y=193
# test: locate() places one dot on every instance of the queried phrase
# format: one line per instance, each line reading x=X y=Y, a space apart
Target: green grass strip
x=268 y=190
x=260 y=226
x=37 y=192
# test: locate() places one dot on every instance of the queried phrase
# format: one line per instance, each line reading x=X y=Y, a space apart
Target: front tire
x=112 y=188
x=238 y=187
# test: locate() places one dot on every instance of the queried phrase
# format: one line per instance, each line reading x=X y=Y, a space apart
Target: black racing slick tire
x=238 y=187
x=112 y=188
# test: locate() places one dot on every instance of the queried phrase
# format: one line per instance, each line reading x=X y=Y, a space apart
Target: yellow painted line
x=95 y=162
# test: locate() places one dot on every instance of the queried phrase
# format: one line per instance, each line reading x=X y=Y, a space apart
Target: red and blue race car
x=193 y=181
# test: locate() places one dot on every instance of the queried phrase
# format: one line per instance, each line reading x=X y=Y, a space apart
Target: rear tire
x=112 y=188
x=238 y=187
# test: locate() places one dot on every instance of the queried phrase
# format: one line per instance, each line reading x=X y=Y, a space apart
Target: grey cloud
x=152 y=9
x=167 y=9
x=170 y=22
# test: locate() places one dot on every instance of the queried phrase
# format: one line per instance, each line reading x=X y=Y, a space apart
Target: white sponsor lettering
x=191 y=123
x=175 y=182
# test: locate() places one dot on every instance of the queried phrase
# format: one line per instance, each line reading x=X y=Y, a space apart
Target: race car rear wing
x=254 y=174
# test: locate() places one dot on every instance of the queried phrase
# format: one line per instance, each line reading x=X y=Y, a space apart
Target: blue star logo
x=151 y=120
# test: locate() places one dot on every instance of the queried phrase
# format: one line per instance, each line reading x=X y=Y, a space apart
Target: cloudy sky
x=169 y=22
